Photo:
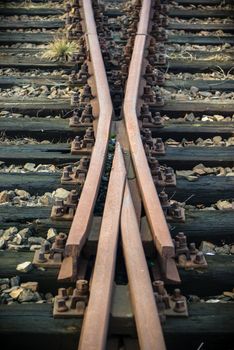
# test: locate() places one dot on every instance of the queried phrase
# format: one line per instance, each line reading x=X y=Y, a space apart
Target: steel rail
x=95 y=324
x=145 y=311
x=154 y=212
x=81 y=222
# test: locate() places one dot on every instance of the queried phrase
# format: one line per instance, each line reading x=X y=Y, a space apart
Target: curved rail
x=81 y=222
x=155 y=215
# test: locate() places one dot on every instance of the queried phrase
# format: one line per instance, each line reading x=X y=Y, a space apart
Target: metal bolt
x=159 y=287
x=66 y=175
x=62 y=293
x=192 y=248
x=180 y=306
x=82 y=287
x=72 y=197
x=76 y=143
x=182 y=239
x=75 y=98
x=200 y=259
x=46 y=247
x=61 y=305
x=41 y=257
x=159 y=145
x=178 y=212
x=164 y=199
x=176 y=294
x=60 y=240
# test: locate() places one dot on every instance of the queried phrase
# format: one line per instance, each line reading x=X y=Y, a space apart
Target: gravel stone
x=22 y=194
x=207 y=247
x=4 y=197
x=17 y=239
x=199 y=169
x=25 y=232
x=60 y=193
x=24 y=267
x=224 y=250
x=34 y=247
x=36 y=240
x=51 y=234
x=33 y=286
x=29 y=166
x=9 y=233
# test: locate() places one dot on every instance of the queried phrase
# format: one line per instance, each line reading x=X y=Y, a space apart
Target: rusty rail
x=148 y=325
x=81 y=222
x=154 y=212
x=95 y=324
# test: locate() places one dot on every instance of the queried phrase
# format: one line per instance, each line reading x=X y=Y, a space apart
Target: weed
x=60 y=49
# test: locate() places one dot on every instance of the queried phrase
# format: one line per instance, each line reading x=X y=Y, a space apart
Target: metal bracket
x=71 y=303
x=188 y=257
x=51 y=256
x=174 y=305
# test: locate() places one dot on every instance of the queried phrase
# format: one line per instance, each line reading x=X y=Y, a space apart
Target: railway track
x=116 y=165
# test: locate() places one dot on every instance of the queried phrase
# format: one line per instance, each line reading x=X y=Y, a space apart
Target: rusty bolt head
x=74 y=98
x=176 y=294
x=148 y=69
x=41 y=257
x=46 y=247
x=82 y=286
x=68 y=7
x=147 y=90
x=84 y=163
x=164 y=198
x=73 y=197
x=60 y=240
x=159 y=287
x=192 y=248
x=66 y=175
x=62 y=293
x=200 y=259
x=61 y=305
x=178 y=212
x=180 y=306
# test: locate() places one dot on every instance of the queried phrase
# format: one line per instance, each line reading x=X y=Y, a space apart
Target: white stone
x=51 y=234
x=17 y=239
x=15 y=293
x=22 y=194
x=25 y=232
x=29 y=166
x=30 y=285
x=4 y=197
x=9 y=233
x=46 y=199
x=60 y=193
x=34 y=247
x=24 y=267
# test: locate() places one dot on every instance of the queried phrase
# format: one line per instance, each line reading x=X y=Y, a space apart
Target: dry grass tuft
x=60 y=49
